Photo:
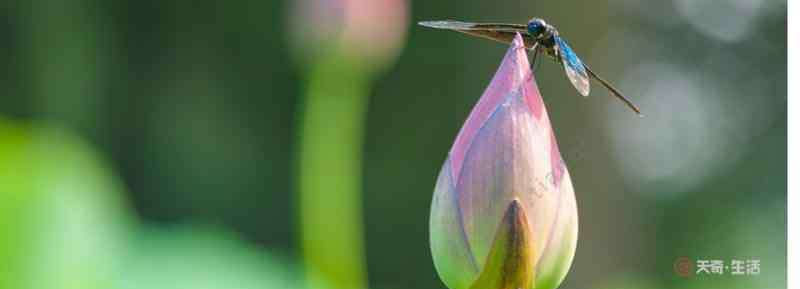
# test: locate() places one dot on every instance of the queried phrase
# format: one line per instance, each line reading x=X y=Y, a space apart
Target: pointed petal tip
x=518 y=42
x=514 y=207
x=513 y=75
x=515 y=217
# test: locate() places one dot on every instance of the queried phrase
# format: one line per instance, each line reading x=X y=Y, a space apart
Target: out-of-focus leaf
x=63 y=218
x=201 y=257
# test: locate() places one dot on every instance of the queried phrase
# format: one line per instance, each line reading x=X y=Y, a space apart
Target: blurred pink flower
x=504 y=212
x=370 y=29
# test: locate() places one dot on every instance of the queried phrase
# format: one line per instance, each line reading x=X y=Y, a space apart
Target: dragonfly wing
x=573 y=67
x=494 y=31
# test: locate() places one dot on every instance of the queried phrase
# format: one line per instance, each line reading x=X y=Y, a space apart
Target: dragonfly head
x=537 y=28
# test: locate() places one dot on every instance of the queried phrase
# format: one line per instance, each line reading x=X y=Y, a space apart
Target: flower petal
x=555 y=261
x=451 y=253
x=509 y=159
x=508 y=77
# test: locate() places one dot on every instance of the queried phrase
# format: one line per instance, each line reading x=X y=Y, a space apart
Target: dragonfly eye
x=536 y=27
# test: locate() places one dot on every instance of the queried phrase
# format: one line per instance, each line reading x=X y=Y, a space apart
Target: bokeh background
x=167 y=144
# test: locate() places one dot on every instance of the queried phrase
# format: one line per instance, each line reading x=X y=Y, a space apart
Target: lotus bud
x=372 y=31
x=504 y=213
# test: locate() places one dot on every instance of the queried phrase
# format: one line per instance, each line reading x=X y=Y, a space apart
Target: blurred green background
x=157 y=144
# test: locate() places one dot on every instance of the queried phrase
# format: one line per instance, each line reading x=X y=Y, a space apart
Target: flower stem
x=330 y=148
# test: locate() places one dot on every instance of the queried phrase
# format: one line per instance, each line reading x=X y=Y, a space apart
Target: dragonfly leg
x=535 y=57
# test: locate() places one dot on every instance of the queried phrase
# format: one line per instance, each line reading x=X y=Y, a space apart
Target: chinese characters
x=734 y=267
x=686 y=267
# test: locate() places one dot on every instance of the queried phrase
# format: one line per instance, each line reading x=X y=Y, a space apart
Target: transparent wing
x=573 y=67
x=495 y=31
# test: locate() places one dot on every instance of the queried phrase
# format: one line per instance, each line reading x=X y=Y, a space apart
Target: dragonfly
x=539 y=37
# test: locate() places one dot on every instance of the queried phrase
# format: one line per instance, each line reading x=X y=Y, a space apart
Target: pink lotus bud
x=372 y=30
x=504 y=212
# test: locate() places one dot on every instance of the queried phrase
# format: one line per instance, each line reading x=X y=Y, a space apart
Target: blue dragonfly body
x=539 y=37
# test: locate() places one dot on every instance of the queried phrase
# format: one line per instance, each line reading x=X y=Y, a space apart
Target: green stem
x=330 y=173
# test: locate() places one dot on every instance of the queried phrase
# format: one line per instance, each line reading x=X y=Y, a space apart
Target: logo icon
x=683 y=267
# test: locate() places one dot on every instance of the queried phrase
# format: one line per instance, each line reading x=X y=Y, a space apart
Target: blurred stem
x=331 y=138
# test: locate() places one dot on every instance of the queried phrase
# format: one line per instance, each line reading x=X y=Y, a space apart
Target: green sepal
x=509 y=264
